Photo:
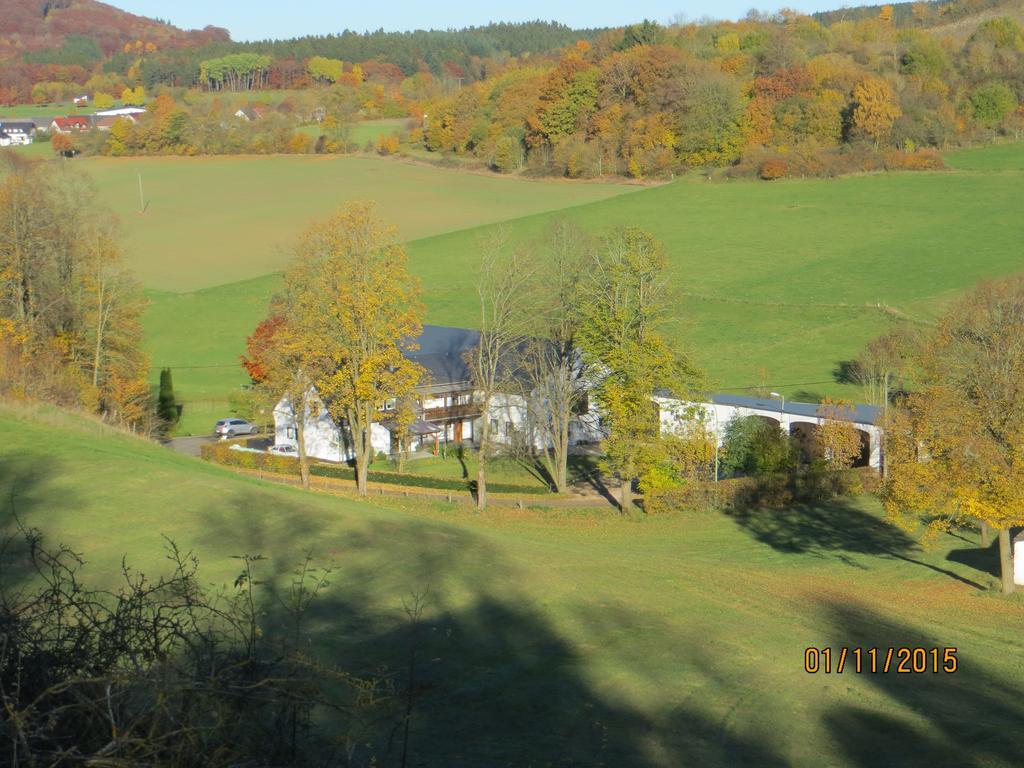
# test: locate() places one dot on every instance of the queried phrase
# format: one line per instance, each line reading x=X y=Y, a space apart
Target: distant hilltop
x=31 y=26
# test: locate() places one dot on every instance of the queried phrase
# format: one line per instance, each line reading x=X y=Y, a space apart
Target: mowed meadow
x=214 y=220
x=556 y=638
x=778 y=282
x=210 y=227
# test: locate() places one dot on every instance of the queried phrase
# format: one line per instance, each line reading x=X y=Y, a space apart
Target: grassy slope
x=780 y=281
x=579 y=641
x=787 y=277
x=216 y=220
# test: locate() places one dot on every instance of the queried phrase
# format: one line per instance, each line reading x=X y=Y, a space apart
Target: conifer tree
x=166 y=408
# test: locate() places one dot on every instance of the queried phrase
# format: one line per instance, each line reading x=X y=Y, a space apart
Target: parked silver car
x=232 y=427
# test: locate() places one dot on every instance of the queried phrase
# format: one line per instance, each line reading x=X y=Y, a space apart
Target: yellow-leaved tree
x=624 y=304
x=352 y=308
x=836 y=440
x=875 y=108
x=956 y=446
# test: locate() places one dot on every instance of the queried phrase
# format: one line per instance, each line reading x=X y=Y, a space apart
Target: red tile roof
x=72 y=123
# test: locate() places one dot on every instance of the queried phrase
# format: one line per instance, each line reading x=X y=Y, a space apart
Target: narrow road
x=191 y=446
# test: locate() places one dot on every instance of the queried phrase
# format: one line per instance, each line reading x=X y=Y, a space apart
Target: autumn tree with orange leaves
x=69 y=310
x=350 y=308
x=956 y=446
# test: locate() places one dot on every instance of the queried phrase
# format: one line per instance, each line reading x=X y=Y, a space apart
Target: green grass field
x=213 y=222
x=1001 y=157
x=22 y=111
x=578 y=640
x=365 y=131
x=37 y=150
x=216 y=220
x=792 y=278
x=778 y=282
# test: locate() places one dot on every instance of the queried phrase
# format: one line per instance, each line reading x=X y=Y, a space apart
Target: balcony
x=452 y=412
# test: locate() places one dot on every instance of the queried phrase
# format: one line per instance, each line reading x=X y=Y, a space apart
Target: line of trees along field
x=69 y=311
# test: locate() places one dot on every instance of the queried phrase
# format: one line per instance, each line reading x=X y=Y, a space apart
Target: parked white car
x=284 y=449
x=232 y=427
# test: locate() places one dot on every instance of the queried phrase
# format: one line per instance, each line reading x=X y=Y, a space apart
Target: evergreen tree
x=166 y=408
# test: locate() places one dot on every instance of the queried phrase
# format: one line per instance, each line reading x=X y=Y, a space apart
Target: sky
x=261 y=19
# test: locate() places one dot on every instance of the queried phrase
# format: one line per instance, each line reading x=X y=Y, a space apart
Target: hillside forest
x=774 y=95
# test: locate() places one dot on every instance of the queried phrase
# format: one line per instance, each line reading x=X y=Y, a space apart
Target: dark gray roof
x=862 y=414
x=442 y=352
x=17 y=125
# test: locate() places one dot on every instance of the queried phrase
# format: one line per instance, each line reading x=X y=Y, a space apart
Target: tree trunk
x=481 y=481
x=624 y=493
x=361 y=473
x=984 y=533
x=1006 y=561
x=361 y=439
x=300 y=436
x=481 y=469
x=562 y=458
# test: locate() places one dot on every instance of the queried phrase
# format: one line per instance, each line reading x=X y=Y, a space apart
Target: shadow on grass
x=492 y=680
x=24 y=492
x=967 y=719
x=982 y=559
x=836 y=528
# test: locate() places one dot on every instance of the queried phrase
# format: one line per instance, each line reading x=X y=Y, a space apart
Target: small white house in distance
x=449 y=411
x=16 y=132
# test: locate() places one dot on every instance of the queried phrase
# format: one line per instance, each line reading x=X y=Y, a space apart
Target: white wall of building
x=717 y=416
x=509 y=413
x=1018 y=559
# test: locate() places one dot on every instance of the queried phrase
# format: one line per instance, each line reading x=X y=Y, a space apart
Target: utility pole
x=142 y=198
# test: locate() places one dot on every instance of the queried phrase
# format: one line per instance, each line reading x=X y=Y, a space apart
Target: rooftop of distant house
x=72 y=123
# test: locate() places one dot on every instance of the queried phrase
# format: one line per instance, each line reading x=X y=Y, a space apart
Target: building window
x=509 y=428
x=291 y=433
x=389 y=404
x=494 y=426
x=582 y=405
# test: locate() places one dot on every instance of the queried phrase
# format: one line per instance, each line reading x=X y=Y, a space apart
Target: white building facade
x=449 y=410
x=793 y=418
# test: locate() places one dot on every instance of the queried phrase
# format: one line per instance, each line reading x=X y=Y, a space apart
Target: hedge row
x=268 y=462
x=770 y=492
x=831 y=162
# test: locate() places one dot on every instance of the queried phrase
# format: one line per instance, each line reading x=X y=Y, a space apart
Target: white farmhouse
x=449 y=410
x=16 y=132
